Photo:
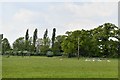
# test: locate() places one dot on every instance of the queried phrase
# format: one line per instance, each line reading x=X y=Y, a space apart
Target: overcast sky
x=16 y=17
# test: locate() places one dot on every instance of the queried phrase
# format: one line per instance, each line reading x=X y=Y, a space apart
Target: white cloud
x=25 y=16
x=86 y=16
x=18 y=24
x=83 y=24
x=88 y=10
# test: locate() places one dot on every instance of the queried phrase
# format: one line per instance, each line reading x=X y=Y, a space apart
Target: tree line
x=102 y=41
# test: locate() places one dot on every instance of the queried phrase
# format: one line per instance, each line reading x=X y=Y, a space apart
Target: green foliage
x=95 y=42
x=53 y=36
x=57 y=49
x=27 y=43
x=102 y=41
x=44 y=49
x=27 y=35
x=30 y=45
x=5 y=45
x=19 y=44
x=44 y=43
x=34 y=39
x=45 y=38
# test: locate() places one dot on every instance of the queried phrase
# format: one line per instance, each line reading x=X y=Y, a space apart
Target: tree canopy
x=102 y=41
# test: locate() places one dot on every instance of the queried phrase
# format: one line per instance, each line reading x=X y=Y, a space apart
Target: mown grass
x=55 y=67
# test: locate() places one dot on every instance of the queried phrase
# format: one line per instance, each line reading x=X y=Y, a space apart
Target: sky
x=68 y=15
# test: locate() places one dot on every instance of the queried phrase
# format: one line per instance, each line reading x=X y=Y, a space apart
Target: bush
x=58 y=54
x=49 y=54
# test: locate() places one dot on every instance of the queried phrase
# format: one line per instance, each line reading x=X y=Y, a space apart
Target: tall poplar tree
x=45 y=37
x=53 y=37
x=26 y=40
x=34 y=39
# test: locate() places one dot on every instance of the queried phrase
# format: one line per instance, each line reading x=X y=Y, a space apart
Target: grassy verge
x=56 y=67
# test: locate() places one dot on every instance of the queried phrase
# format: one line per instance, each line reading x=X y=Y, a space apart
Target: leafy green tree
x=102 y=41
x=43 y=48
x=69 y=45
x=101 y=36
x=5 y=45
x=19 y=44
x=44 y=43
x=93 y=43
x=57 y=49
x=19 y=47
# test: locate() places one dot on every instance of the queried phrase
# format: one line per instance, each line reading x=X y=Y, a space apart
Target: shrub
x=49 y=54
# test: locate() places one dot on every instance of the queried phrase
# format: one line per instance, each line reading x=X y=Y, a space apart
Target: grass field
x=55 y=67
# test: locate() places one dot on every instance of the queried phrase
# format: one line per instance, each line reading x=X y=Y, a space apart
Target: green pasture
x=57 y=67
